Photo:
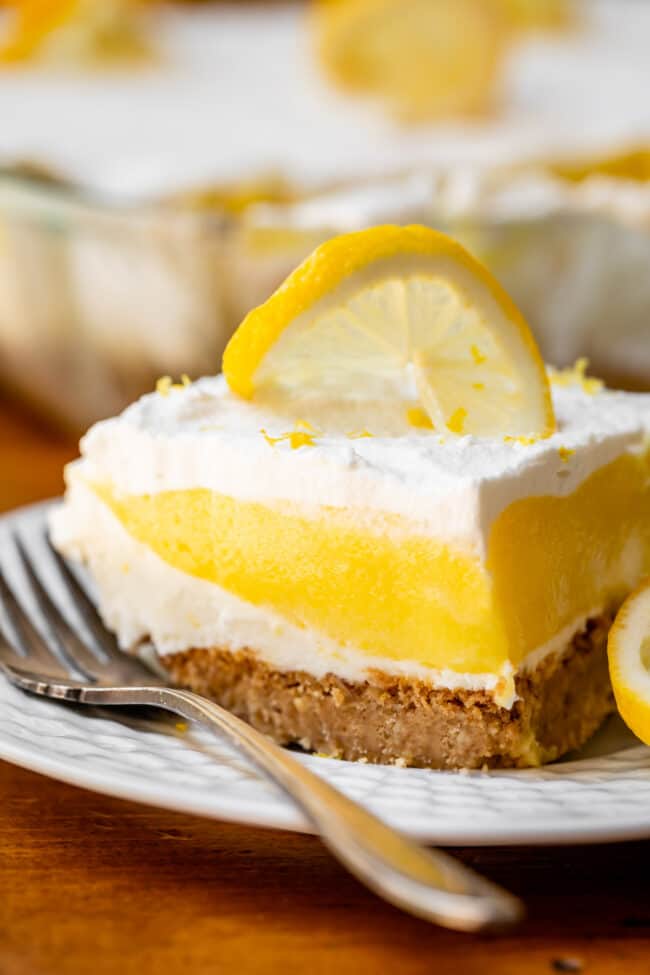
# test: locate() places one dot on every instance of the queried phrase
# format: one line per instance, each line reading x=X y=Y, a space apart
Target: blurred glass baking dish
x=97 y=300
x=572 y=246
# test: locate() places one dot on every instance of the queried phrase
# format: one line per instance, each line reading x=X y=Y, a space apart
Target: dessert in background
x=386 y=532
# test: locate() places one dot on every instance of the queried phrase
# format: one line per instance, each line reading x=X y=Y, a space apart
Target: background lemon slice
x=537 y=14
x=385 y=325
x=426 y=58
x=74 y=31
x=629 y=661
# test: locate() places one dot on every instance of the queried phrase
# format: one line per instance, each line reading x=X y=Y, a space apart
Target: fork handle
x=427 y=883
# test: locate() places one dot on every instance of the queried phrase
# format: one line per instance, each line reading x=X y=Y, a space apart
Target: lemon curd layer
x=457 y=556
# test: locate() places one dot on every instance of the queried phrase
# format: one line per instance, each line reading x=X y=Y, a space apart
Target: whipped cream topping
x=204 y=436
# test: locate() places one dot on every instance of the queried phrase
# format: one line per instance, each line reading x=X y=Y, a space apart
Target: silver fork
x=53 y=643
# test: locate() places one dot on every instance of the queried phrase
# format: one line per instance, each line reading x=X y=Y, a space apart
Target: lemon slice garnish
x=629 y=661
x=392 y=319
x=425 y=58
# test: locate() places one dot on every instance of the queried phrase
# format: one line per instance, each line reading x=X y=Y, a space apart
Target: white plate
x=601 y=794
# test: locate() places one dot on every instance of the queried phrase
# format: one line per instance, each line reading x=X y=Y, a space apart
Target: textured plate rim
x=285 y=817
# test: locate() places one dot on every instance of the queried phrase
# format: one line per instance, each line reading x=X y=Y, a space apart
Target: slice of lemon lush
x=400 y=321
x=629 y=661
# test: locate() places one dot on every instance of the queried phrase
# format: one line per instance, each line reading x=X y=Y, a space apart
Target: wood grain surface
x=93 y=885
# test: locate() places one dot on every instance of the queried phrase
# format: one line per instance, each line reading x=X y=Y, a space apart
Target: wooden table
x=92 y=885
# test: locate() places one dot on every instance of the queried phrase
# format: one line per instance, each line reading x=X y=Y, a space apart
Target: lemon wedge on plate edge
x=629 y=661
x=398 y=316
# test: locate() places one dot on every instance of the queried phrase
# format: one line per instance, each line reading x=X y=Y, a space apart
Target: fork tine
x=10 y=629
x=93 y=647
x=30 y=603
x=70 y=599
x=20 y=643
x=10 y=659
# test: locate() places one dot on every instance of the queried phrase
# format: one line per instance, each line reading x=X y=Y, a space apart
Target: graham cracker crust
x=404 y=721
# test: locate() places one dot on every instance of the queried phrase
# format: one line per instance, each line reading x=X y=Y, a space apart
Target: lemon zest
x=576 y=375
x=307 y=426
x=165 y=384
x=456 y=421
x=359 y=434
x=296 y=438
x=526 y=441
x=478 y=386
x=477 y=355
x=565 y=453
x=417 y=417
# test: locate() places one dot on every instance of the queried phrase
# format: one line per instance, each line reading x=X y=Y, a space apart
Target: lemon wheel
x=397 y=318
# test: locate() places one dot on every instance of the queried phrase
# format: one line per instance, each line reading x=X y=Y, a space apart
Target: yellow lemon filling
x=377 y=583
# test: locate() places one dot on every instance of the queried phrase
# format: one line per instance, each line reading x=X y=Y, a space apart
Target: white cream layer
x=142 y=598
x=452 y=488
